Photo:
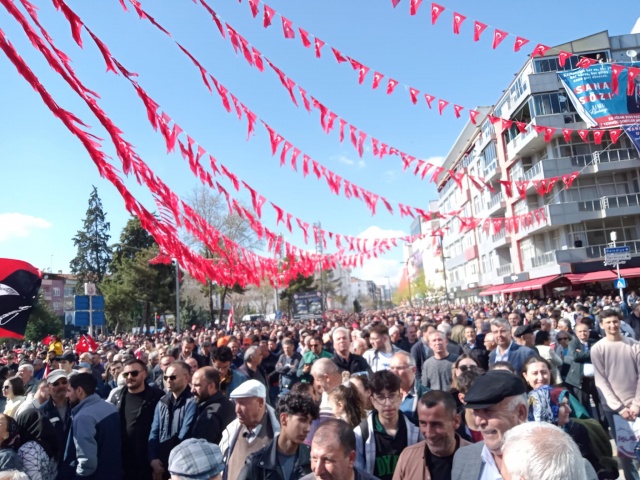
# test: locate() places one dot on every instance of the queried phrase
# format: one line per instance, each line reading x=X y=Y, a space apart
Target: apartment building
x=554 y=253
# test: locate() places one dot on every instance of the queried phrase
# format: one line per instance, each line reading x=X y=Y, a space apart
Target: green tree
x=136 y=289
x=92 y=242
x=42 y=322
x=329 y=285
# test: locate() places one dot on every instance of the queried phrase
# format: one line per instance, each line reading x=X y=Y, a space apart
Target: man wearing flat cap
x=499 y=403
x=196 y=459
x=524 y=336
x=255 y=426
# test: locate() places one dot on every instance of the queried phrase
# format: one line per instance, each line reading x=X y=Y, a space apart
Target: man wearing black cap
x=524 y=336
x=499 y=402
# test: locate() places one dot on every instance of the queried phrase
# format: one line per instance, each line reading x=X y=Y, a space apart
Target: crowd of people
x=524 y=389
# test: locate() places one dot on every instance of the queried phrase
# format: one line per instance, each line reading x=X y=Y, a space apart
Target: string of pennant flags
x=358 y=137
x=237 y=264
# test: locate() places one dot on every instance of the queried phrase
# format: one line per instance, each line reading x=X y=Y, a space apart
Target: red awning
x=492 y=290
x=629 y=272
x=534 y=284
x=601 y=276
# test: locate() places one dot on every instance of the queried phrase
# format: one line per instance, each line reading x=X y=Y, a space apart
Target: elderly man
x=315 y=352
x=252 y=368
x=551 y=445
x=410 y=387
x=196 y=458
x=342 y=357
x=432 y=458
x=507 y=350
x=255 y=426
x=499 y=403
x=326 y=378
x=333 y=453
x=524 y=336
x=214 y=411
x=25 y=372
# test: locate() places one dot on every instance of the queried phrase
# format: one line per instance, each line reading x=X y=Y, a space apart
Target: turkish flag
x=457 y=21
x=616 y=70
x=519 y=43
x=19 y=285
x=436 y=10
x=86 y=344
x=498 y=37
x=614 y=135
x=478 y=28
x=563 y=57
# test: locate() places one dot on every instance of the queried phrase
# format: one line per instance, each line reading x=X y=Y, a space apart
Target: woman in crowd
x=463 y=363
x=543 y=345
x=13 y=389
x=537 y=372
x=361 y=382
x=346 y=404
x=38 y=447
x=9 y=439
x=551 y=405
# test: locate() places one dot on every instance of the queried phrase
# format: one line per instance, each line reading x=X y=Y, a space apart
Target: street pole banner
x=603 y=94
x=633 y=132
x=19 y=285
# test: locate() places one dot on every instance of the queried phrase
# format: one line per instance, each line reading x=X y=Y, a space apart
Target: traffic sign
x=82 y=319
x=620 y=283
x=613 y=255
x=81 y=302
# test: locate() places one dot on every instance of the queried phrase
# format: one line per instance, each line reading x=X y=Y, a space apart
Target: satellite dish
x=632 y=54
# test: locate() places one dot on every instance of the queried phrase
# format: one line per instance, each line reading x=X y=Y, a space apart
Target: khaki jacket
x=412 y=464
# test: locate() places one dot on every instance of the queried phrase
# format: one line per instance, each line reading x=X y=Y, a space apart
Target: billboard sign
x=591 y=92
x=307 y=305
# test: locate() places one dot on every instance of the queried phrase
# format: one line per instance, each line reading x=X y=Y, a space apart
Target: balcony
x=501 y=238
x=618 y=205
x=492 y=171
x=554 y=261
x=544 y=82
x=504 y=270
x=597 y=251
x=496 y=204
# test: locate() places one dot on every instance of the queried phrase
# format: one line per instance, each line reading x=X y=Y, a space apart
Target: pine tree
x=93 y=255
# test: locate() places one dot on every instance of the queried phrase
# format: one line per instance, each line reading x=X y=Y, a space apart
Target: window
x=550 y=103
x=56 y=292
x=489 y=158
x=69 y=291
x=542 y=65
x=57 y=306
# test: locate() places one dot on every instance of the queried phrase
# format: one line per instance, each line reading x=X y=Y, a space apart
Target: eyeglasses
x=170 y=377
x=464 y=368
x=381 y=399
x=563 y=339
x=135 y=373
x=60 y=382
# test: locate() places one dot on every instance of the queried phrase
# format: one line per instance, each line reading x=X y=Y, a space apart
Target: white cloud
x=435 y=160
x=390 y=175
x=361 y=163
x=346 y=160
x=18 y=225
x=377 y=232
x=378 y=269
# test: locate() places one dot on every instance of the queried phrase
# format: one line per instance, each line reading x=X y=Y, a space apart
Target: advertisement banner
x=307 y=305
x=633 y=131
x=590 y=91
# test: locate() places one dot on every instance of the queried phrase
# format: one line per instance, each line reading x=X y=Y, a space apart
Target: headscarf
x=13 y=429
x=34 y=426
x=544 y=404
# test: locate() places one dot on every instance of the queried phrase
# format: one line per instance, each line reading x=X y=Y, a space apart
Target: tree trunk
x=212 y=317
x=147 y=319
x=223 y=295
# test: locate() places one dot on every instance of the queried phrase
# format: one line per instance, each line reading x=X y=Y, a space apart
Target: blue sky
x=47 y=176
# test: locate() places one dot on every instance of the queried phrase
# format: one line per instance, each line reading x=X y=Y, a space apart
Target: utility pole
x=177 y=265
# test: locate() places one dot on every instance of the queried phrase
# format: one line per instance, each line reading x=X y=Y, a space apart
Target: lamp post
x=444 y=269
x=177 y=265
x=406 y=265
x=614 y=236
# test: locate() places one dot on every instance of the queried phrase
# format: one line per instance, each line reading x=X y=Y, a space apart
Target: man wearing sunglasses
x=136 y=402
x=57 y=408
x=174 y=414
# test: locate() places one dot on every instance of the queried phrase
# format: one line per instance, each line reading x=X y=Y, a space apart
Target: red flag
x=540 y=50
x=566 y=132
x=457 y=109
x=614 y=135
x=338 y=55
x=519 y=43
x=304 y=35
x=415 y=5
x=436 y=10
x=563 y=57
x=457 y=21
x=414 y=95
x=632 y=73
x=568 y=179
x=395 y=3
x=498 y=37
x=429 y=99
x=391 y=85
x=548 y=134
x=616 y=70
x=584 y=135
x=478 y=28
x=377 y=76
x=318 y=45
x=522 y=127
x=268 y=15
x=586 y=62
x=441 y=105
x=287 y=28
x=597 y=136
x=254 y=7
x=46 y=340
x=473 y=114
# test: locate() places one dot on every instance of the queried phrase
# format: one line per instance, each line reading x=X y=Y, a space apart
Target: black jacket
x=134 y=459
x=263 y=465
x=61 y=425
x=212 y=417
x=355 y=364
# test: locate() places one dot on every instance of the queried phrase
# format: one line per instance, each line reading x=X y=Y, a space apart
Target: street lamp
x=444 y=269
x=406 y=265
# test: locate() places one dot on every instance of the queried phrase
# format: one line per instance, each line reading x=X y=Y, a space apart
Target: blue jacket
x=171 y=424
x=517 y=356
x=93 y=447
x=237 y=379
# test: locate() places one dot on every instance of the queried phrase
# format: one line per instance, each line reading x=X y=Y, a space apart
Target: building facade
x=572 y=226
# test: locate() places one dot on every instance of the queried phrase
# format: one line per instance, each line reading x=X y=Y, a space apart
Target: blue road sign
x=82 y=319
x=620 y=283
x=81 y=302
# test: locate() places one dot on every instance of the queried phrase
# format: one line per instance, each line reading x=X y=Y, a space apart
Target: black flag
x=19 y=285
